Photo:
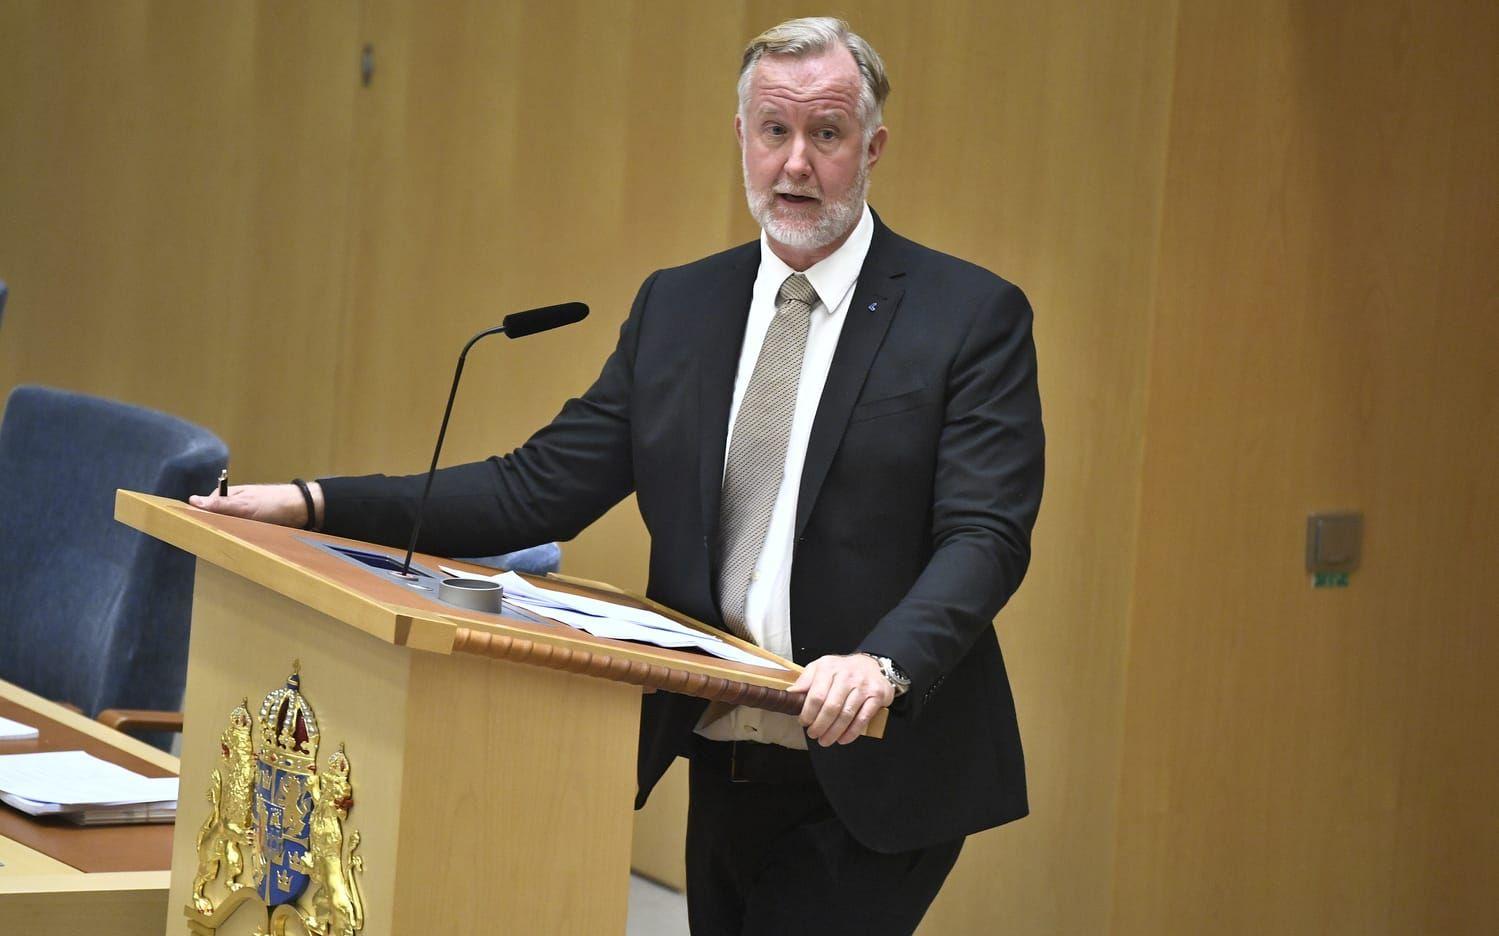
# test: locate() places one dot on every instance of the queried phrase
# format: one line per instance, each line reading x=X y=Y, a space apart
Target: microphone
x=521 y=324
x=514 y=325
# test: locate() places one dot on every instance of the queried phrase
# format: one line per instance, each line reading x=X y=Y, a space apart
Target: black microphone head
x=521 y=324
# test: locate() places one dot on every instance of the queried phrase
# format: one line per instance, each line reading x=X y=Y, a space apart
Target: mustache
x=798 y=191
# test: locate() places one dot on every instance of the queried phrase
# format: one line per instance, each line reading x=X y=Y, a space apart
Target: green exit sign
x=1330 y=580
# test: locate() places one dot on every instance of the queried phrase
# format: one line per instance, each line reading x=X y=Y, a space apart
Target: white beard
x=832 y=221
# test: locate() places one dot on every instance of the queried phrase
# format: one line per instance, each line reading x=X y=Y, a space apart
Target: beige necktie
x=756 y=461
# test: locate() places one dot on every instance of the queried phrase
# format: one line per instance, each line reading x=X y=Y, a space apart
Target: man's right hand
x=270 y=503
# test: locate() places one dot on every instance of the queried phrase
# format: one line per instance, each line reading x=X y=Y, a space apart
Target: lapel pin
x=873 y=306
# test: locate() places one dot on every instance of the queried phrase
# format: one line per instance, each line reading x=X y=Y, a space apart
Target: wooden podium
x=491 y=759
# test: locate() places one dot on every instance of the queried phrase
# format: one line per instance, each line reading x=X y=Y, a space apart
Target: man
x=834 y=435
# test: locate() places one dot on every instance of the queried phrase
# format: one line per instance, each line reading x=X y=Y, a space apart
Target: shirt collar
x=833 y=276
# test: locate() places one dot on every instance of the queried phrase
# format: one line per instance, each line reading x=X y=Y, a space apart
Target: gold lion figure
x=226 y=835
x=336 y=907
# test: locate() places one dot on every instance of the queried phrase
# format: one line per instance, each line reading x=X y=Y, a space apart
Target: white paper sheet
x=116 y=814
x=607 y=619
x=76 y=778
x=15 y=731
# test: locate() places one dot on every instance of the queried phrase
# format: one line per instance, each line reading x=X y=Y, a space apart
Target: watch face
x=893 y=672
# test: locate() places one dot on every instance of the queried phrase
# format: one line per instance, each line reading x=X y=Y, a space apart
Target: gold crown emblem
x=288 y=729
x=239 y=718
x=338 y=762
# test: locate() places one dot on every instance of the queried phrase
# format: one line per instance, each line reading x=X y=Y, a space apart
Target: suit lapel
x=725 y=312
x=875 y=300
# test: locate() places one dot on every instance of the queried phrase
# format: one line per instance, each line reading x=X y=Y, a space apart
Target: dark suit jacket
x=921 y=485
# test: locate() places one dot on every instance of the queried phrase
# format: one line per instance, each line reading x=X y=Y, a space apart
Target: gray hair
x=817 y=34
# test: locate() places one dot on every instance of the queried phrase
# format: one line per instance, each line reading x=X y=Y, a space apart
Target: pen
x=224 y=482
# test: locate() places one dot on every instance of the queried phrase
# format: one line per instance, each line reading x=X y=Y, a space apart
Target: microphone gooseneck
x=514 y=325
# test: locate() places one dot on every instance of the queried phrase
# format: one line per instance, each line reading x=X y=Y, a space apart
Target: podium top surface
x=282 y=560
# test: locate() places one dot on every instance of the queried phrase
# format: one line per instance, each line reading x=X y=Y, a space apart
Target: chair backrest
x=93 y=612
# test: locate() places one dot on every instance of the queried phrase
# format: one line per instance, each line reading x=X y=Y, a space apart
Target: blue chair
x=92 y=613
x=537 y=560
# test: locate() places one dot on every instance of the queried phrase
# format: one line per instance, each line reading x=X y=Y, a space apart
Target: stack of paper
x=607 y=619
x=82 y=788
x=15 y=731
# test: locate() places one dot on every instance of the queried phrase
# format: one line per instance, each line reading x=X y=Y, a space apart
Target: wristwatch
x=897 y=676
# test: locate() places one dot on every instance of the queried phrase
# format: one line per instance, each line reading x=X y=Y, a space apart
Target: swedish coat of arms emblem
x=274 y=835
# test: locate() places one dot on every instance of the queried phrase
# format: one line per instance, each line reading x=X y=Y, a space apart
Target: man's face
x=806 y=165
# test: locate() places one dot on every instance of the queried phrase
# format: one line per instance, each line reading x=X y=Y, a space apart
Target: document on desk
x=63 y=782
x=15 y=731
x=607 y=619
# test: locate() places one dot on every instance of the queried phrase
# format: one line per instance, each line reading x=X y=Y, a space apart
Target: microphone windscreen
x=521 y=324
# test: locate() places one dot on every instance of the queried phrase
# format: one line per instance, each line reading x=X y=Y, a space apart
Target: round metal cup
x=473 y=594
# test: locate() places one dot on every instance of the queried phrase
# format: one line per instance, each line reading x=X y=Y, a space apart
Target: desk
x=61 y=879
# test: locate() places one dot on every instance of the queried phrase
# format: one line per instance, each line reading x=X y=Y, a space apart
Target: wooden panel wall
x=1255 y=237
x=510 y=156
x=173 y=199
x=1300 y=761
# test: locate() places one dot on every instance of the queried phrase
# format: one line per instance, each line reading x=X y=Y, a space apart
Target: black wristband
x=311 y=523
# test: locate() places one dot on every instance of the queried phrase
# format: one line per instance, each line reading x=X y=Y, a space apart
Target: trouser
x=766 y=854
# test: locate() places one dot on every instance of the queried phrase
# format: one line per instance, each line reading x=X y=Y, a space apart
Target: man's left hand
x=843 y=694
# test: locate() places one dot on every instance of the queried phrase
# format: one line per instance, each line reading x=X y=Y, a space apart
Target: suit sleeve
x=562 y=479
x=987 y=491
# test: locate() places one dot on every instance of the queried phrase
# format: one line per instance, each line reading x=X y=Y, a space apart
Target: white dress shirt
x=768 y=601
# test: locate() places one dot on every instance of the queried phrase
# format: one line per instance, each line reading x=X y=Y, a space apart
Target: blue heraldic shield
x=284 y=798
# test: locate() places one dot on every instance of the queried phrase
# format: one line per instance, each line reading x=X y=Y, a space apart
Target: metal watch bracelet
x=899 y=681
